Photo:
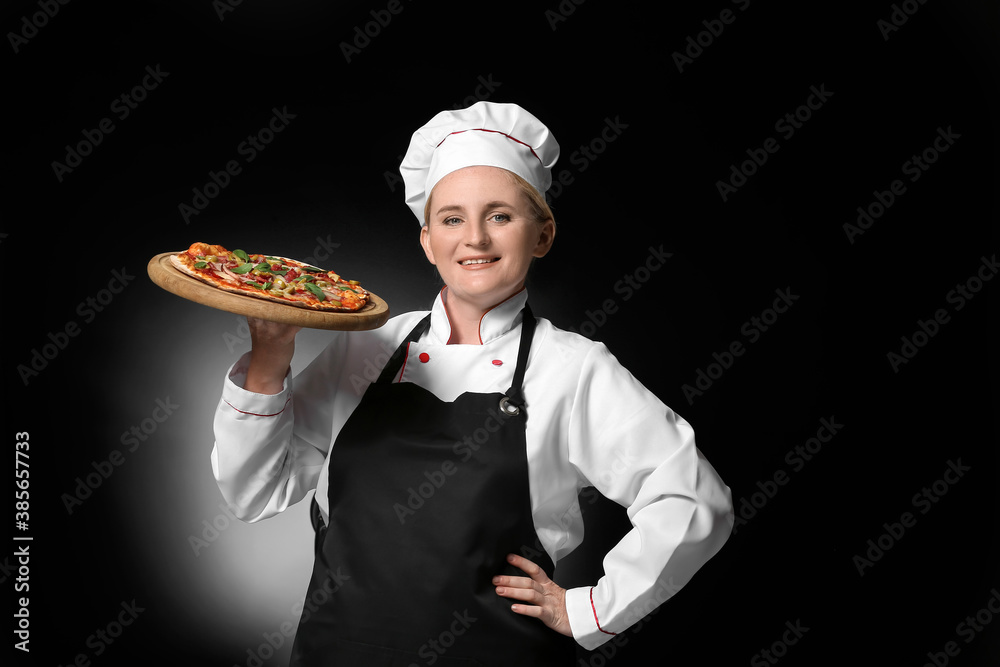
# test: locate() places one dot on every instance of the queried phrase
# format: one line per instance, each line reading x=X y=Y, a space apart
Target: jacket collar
x=495 y=322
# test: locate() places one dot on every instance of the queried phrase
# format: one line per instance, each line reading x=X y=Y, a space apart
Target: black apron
x=427 y=498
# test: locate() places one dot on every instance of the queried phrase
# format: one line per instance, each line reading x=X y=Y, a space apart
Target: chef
x=447 y=486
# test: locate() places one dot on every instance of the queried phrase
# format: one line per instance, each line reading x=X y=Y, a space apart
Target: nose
x=477 y=234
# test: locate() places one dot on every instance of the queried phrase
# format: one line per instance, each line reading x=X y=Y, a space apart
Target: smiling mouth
x=472 y=262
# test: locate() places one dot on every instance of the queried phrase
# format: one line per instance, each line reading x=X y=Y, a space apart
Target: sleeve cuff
x=584 y=620
x=252 y=404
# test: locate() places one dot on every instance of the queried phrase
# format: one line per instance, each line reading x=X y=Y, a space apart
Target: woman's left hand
x=546 y=600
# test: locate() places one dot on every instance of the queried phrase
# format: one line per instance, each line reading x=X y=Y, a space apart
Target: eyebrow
x=458 y=207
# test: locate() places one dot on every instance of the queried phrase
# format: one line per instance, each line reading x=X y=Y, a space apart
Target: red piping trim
x=483 y=129
x=595 y=614
x=451 y=329
x=257 y=414
x=405 y=358
x=480 y=327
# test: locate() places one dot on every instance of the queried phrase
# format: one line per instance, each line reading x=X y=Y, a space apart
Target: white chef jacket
x=590 y=423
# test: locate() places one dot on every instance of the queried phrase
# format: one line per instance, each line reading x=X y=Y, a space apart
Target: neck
x=465 y=318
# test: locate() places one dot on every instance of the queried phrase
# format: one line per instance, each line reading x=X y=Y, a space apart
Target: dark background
x=208 y=591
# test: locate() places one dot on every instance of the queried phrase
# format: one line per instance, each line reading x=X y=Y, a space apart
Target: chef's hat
x=485 y=134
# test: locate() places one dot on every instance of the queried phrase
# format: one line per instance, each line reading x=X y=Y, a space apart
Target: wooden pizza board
x=163 y=273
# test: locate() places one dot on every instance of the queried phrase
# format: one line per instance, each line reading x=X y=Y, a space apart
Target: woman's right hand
x=272 y=347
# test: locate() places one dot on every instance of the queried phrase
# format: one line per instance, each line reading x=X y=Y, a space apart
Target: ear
x=425 y=241
x=545 y=238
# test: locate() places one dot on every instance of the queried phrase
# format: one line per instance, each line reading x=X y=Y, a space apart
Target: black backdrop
x=857 y=427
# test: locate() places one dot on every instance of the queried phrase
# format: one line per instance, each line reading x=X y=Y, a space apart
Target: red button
x=424 y=357
x=497 y=362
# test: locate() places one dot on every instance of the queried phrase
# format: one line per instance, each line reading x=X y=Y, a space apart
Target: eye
x=499 y=217
x=452 y=221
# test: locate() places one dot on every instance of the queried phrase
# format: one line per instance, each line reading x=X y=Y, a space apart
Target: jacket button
x=424 y=357
x=497 y=362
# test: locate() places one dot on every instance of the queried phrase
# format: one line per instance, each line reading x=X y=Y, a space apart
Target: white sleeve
x=636 y=451
x=270 y=449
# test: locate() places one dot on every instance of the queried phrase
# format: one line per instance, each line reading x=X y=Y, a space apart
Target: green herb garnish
x=316 y=291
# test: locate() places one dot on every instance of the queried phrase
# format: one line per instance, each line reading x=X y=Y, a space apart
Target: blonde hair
x=540 y=210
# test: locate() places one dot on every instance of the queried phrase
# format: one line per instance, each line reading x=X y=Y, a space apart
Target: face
x=481 y=236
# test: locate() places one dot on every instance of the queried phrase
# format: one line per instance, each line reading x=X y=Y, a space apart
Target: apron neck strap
x=515 y=397
x=396 y=360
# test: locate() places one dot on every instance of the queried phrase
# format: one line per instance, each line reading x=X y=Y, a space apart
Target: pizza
x=269 y=277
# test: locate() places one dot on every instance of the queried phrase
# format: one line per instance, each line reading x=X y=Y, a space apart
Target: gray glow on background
x=245 y=579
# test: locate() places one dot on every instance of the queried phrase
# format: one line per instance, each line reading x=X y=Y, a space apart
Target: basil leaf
x=312 y=269
x=316 y=291
x=200 y=265
x=264 y=267
x=242 y=268
x=242 y=255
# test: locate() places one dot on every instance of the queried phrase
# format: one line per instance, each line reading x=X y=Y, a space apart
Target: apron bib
x=427 y=498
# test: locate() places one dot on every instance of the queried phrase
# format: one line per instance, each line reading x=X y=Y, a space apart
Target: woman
x=447 y=487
